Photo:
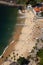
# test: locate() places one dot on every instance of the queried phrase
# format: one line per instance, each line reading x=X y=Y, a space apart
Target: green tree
x=21 y=1
x=40 y=54
x=33 y=2
x=22 y=61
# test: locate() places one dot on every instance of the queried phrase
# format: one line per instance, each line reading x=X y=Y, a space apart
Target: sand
x=25 y=43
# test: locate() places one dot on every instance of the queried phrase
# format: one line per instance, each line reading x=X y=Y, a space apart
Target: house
x=38 y=7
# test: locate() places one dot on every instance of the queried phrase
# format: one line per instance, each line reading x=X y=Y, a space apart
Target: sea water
x=8 y=19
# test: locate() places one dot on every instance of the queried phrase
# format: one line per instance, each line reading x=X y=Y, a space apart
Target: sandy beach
x=25 y=39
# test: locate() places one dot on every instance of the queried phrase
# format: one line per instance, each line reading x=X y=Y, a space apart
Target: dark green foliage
x=22 y=61
x=39 y=0
x=32 y=2
x=21 y=1
x=40 y=54
x=37 y=40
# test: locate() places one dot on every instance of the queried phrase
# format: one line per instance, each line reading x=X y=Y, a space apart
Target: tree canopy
x=32 y=2
x=22 y=61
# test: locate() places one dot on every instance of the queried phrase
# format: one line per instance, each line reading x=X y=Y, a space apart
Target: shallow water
x=8 y=19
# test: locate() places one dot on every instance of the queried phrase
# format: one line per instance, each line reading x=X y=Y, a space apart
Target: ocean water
x=8 y=19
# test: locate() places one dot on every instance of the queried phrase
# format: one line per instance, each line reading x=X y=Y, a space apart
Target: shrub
x=22 y=61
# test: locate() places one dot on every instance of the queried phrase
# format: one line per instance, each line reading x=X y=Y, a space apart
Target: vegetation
x=39 y=0
x=21 y=1
x=33 y=2
x=40 y=54
x=22 y=61
x=37 y=40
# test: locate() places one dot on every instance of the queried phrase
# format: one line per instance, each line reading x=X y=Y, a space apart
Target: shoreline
x=10 y=45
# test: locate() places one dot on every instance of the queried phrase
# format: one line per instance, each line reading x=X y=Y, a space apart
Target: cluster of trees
x=23 y=61
x=33 y=2
x=40 y=54
x=21 y=1
x=39 y=0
